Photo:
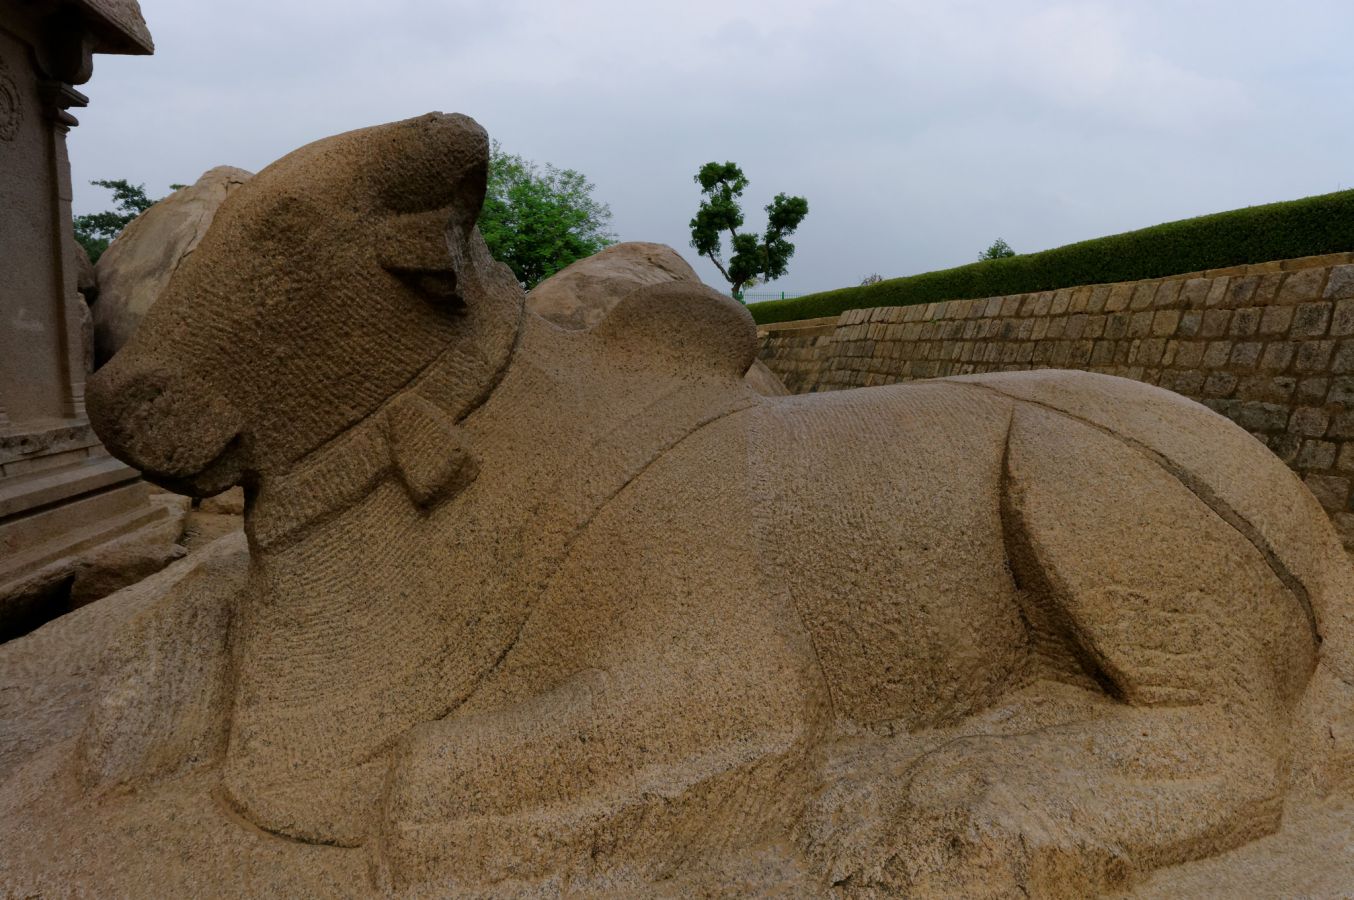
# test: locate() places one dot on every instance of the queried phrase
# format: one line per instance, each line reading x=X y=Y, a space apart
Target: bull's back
x=880 y=517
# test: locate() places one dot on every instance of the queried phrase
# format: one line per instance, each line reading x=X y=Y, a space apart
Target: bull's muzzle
x=170 y=425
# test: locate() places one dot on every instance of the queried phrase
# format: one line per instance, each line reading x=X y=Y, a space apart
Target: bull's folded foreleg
x=640 y=767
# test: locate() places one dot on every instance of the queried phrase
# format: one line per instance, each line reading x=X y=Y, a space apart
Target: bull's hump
x=681 y=326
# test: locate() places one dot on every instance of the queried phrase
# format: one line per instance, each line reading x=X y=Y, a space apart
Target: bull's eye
x=441 y=285
x=438 y=285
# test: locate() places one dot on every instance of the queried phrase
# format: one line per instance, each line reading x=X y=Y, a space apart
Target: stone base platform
x=68 y=517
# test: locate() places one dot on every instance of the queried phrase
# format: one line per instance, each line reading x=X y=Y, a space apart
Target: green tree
x=751 y=259
x=96 y=231
x=537 y=220
x=998 y=250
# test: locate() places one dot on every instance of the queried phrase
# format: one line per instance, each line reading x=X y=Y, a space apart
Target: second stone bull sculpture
x=527 y=605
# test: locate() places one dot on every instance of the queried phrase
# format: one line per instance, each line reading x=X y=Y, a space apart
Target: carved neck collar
x=413 y=435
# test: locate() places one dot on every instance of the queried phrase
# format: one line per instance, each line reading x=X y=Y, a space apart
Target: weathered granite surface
x=582 y=294
x=533 y=611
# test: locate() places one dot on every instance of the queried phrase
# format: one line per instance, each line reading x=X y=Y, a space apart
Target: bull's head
x=324 y=286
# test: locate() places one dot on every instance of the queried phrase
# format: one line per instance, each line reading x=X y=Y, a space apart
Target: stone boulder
x=86 y=282
x=227 y=503
x=112 y=566
x=135 y=268
x=581 y=295
x=88 y=287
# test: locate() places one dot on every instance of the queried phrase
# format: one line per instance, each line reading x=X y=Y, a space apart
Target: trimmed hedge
x=1307 y=227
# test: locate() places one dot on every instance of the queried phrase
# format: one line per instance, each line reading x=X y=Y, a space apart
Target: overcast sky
x=918 y=131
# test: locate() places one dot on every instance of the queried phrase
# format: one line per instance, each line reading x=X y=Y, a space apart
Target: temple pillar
x=62 y=497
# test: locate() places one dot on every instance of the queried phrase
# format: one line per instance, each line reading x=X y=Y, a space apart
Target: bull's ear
x=431 y=184
x=423 y=252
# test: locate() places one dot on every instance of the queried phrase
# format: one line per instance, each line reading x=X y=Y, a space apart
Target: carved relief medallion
x=11 y=105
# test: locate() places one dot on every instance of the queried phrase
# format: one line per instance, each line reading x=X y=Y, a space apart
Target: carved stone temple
x=61 y=494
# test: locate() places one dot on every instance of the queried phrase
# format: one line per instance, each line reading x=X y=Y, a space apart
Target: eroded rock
x=86 y=281
x=581 y=295
x=129 y=559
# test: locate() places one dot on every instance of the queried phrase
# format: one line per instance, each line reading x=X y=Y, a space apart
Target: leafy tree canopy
x=751 y=259
x=537 y=220
x=998 y=250
x=97 y=230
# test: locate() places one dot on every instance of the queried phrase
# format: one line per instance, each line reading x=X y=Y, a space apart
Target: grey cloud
x=919 y=131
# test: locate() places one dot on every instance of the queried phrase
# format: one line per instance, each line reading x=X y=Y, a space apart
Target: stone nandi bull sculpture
x=529 y=604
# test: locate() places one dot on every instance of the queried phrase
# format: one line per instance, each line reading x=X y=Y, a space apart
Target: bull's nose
x=110 y=394
x=121 y=404
x=166 y=424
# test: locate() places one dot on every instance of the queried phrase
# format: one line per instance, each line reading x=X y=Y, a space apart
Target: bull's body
x=561 y=603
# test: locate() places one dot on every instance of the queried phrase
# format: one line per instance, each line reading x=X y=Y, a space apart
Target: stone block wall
x=1270 y=346
x=799 y=352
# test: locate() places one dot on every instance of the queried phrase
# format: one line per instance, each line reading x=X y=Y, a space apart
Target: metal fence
x=759 y=296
